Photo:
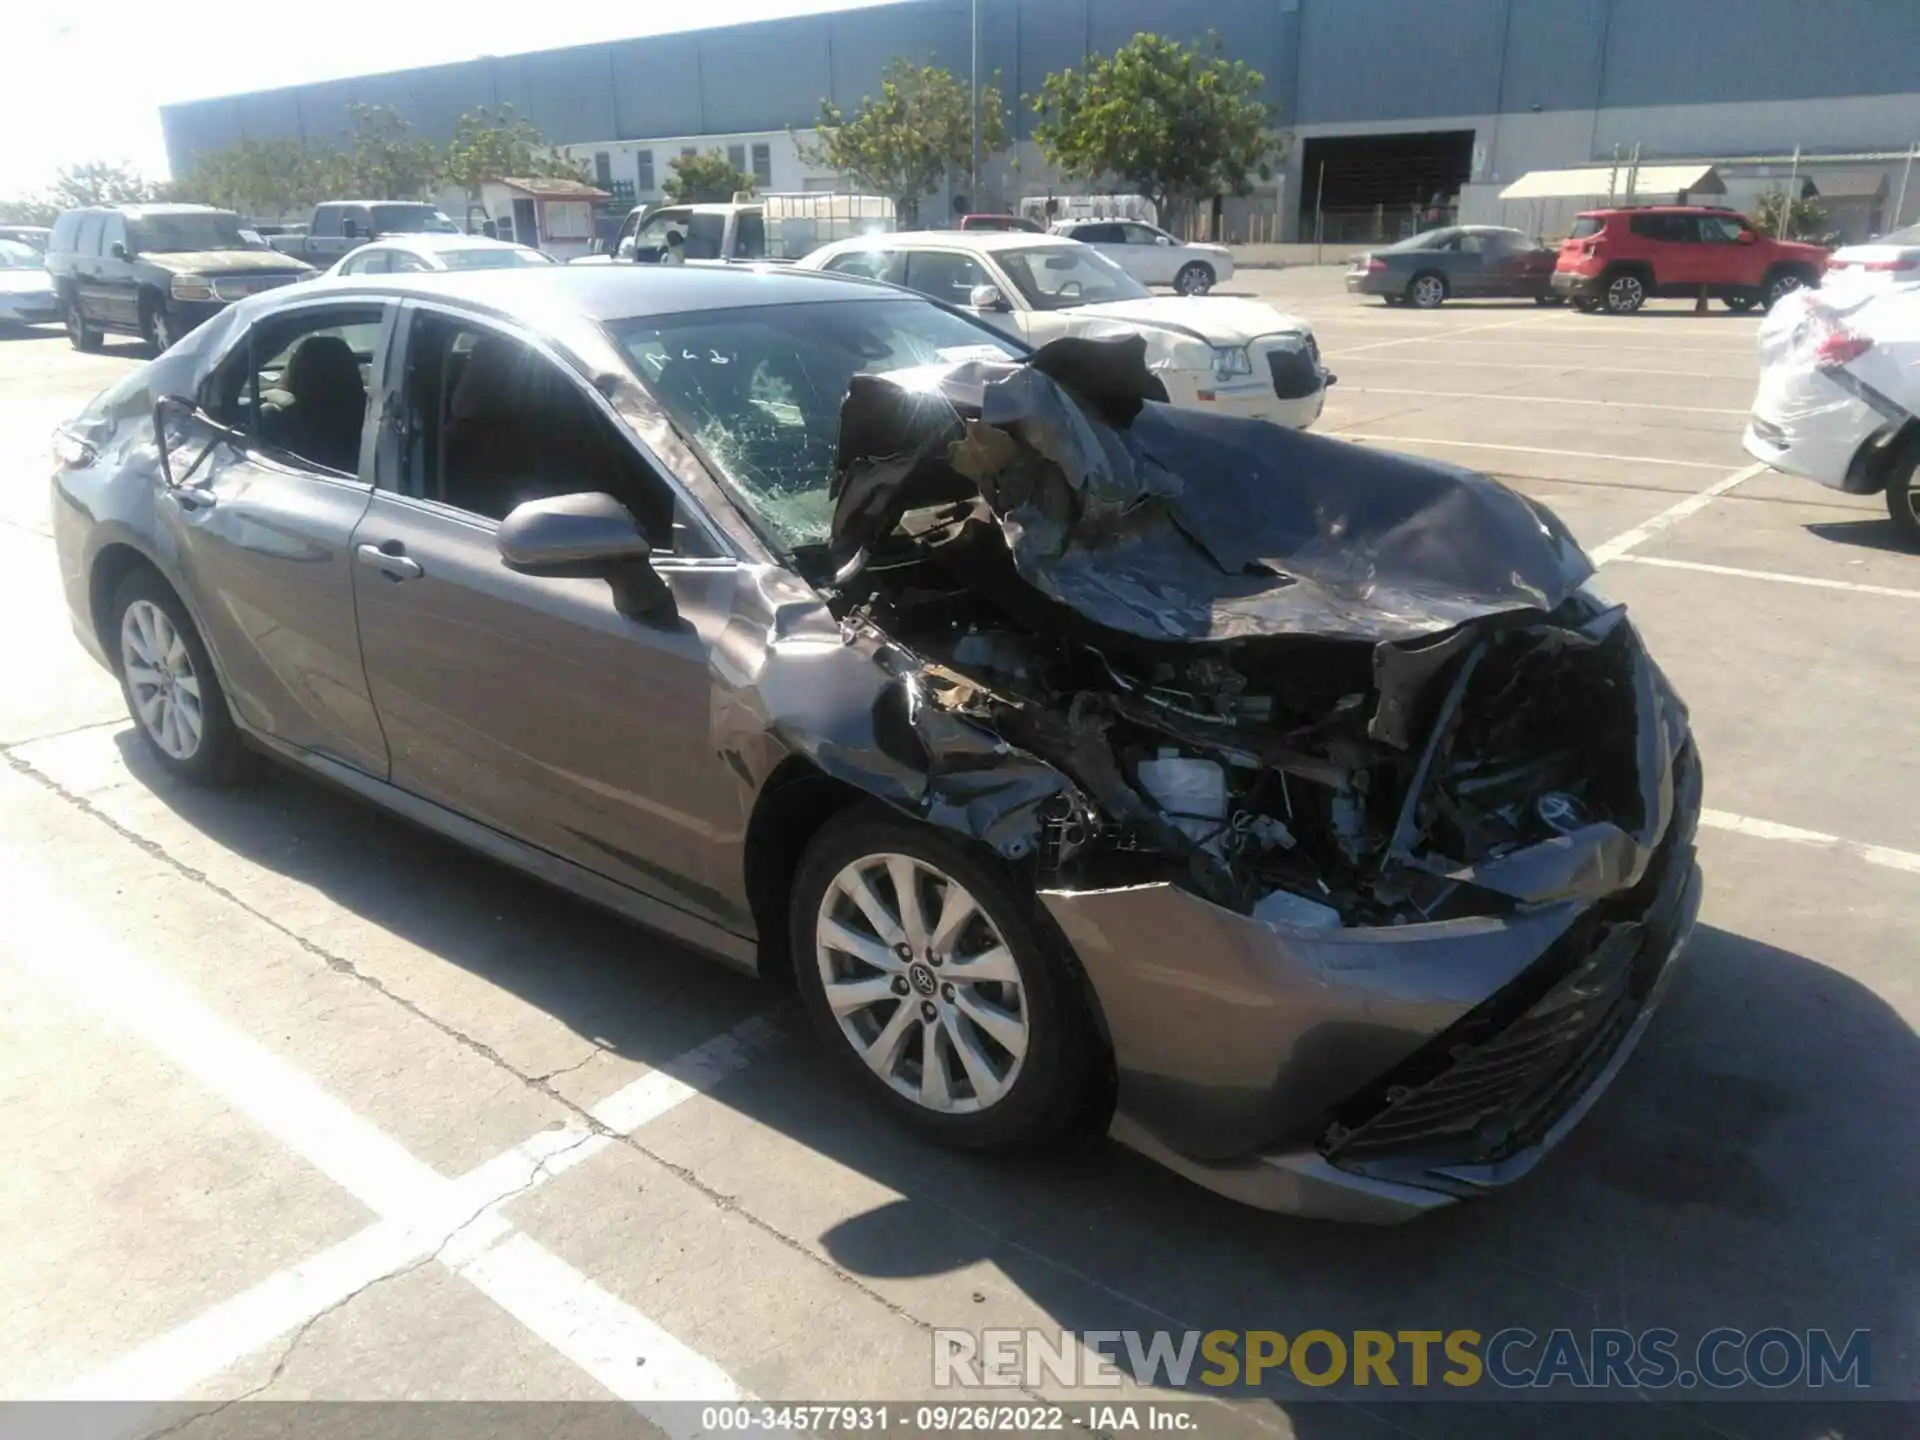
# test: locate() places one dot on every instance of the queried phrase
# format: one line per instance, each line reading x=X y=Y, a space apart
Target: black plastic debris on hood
x=1176 y=525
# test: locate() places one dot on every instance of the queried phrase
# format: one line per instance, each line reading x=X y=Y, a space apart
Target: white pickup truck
x=769 y=227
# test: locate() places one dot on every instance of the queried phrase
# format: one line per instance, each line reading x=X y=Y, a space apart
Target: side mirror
x=586 y=536
x=1162 y=240
x=1747 y=237
x=117 y=250
x=987 y=297
x=349 y=228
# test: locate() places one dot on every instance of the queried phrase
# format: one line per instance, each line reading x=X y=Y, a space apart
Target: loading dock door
x=1382 y=187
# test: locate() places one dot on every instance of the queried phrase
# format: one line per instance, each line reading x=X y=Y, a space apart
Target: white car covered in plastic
x=1231 y=356
x=1887 y=263
x=1839 y=398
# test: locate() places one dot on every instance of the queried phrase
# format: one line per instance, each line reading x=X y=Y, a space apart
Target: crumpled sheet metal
x=1174 y=525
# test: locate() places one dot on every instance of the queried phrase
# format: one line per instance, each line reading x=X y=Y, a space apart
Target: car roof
x=1662 y=210
x=952 y=239
x=609 y=292
x=143 y=212
x=407 y=240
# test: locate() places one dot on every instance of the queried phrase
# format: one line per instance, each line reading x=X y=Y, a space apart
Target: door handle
x=391 y=563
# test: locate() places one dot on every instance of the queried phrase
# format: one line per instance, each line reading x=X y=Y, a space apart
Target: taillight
x=1911 y=262
x=1375 y=264
x=1838 y=347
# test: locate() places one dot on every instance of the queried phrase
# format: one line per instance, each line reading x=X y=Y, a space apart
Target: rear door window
x=89 y=242
x=943 y=275
x=869 y=264
x=1663 y=229
x=298 y=384
x=1586 y=227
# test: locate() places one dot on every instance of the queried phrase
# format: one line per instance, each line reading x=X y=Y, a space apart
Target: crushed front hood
x=1173 y=525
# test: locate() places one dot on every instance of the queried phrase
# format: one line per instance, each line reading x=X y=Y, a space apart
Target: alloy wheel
x=1194 y=280
x=922 y=984
x=1782 y=287
x=1626 y=294
x=161 y=680
x=1429 y=291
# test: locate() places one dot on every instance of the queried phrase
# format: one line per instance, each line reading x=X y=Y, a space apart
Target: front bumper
x=1258 y=402
x=1575 y=286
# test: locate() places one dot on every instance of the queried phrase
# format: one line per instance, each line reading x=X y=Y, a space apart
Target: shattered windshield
x=760 y=387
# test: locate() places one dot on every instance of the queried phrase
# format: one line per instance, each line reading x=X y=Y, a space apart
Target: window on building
x=763 y=165
x=737 y=156
x=643 y=172
x=687 y=152
x=603 y=169
x=568 y=220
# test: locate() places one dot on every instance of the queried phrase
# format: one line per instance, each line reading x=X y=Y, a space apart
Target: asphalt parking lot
x=301 y=1103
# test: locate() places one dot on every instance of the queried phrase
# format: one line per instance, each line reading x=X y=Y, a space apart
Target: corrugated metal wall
x=1326 y=62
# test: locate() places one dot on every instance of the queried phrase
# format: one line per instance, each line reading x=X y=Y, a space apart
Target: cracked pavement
x=620 y=1160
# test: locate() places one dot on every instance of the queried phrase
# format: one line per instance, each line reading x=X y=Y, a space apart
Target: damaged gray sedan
x=1295 y=811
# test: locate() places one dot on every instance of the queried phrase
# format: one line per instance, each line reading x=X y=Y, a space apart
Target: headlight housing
x=1231 y=361
x=191 y=287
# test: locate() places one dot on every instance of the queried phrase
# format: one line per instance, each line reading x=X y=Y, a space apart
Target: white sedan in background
x=26 y=290
x=1890 y=261
x=1151 y=255
x=1839 y=397
x=1239 y=357
x=398 y=254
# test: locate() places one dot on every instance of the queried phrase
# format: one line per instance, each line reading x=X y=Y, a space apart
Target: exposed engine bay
x=1352 y=700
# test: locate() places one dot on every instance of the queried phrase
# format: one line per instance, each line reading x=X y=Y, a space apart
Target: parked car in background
x=1839 y=396
x=1240 y=357
x=33 y=236
x=1151 y=255
x=769 y=227
x=1617 y=260
x=1458 y=262
x=1002 y=222
x=26 y=289
x=339 y=226
x=1290 y=809
x=1882 y=264
x=402 y=254
x=156 y=271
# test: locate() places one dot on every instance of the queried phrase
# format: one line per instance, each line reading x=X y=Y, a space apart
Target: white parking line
x=1435 y=335
x=1633 y=539
x=1884 y=855
x=422 y=1214
x=1566 y=369
x=1522 y=449
x=1346 y=390
x=1776 y=576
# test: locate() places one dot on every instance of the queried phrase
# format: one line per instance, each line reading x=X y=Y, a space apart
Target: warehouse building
x=1381 y=107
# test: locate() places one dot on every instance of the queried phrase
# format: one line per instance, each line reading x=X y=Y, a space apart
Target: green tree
x=904 y=141
x=1806 y=219
x=99 y=182
x=26 y=210
x=695 y=179
x=488 y=144
x=1172 y=123
x=385 y=160
x=261 y=177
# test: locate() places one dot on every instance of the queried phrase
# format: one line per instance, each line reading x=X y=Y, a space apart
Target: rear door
x=265 y=520
x=96 y=301
x=1462 y=258
x=530 y=704
x=1723 y=259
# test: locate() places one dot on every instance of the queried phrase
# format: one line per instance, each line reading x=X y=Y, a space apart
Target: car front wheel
x=1194 y=278
x=169 y=683
x=927 y=972
x=161 y=330
x=80 y=333
x=1903 y=501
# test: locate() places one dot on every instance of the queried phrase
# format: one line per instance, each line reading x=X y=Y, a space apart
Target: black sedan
x=1459 y=262
x=1295 y=810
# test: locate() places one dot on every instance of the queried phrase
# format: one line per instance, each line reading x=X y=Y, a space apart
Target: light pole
x=973 y=106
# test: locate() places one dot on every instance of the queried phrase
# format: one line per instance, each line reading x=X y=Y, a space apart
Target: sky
x=86 y=78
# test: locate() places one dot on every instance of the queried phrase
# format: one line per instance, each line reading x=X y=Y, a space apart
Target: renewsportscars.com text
x=1509 y=1359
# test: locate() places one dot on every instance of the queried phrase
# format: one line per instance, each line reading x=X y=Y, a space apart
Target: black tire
x=1549 y=299
x=1586 y=304
x=81 y=334
x=1196 y=277
x=1903 y=497
x=218 y=755
x=1056 y=1080
x=1781 y=284
x=1389 y=300
x=1625 y=291
x=1428 y=290
x=1739 y=301
x=157 y=327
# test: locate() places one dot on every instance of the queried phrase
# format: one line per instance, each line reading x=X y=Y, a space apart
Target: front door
x=119 y=289
x=1722 y=257
x=531 y=704
x=264 y=519
x=1153 y=257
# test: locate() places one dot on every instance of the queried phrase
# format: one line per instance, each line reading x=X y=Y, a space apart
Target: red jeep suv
x=1617 y=260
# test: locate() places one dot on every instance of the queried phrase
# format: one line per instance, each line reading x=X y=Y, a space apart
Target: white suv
x=1151 y=255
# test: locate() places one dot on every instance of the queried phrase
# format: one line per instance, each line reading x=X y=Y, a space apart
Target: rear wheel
x=1739 y=301
x=1903 y=499
x=1195 y=278
x=1427 y=291
x=1626 y=292
x=169 y=683
x=927 y=971
x=81 y=334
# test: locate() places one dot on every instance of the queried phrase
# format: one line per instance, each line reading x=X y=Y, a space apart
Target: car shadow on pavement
x=1880 y=534
x=1752 y=1167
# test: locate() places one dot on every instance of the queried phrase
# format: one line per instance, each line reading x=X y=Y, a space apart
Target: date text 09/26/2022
x=964 y=1418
